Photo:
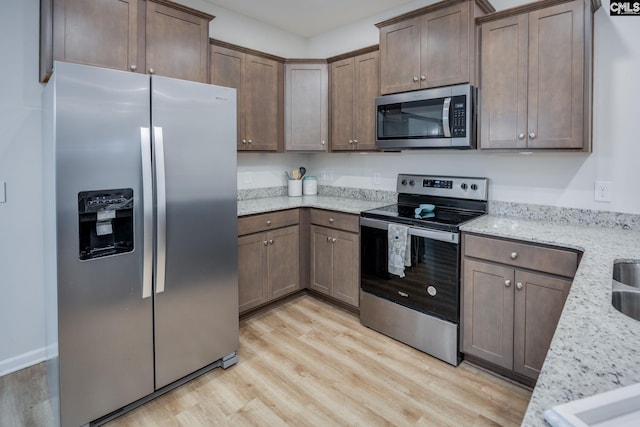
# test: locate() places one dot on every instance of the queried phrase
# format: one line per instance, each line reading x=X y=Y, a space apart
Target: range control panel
x=473 y=188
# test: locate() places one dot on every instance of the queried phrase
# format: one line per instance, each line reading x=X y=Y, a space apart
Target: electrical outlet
x=376 y=179
x=602 y=191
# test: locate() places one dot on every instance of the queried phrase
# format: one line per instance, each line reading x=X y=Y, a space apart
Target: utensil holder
x=295 y=188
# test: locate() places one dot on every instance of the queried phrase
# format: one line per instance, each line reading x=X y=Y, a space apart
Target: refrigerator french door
x=140 y=224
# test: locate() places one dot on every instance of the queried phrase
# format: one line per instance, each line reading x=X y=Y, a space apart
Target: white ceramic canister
x=309 y=186
x=295 y=188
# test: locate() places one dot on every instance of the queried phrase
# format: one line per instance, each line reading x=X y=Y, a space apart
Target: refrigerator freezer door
x=196 y=316
x=105 y=326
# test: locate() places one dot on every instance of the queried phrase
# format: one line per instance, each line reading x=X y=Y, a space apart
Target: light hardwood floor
x=308 y=363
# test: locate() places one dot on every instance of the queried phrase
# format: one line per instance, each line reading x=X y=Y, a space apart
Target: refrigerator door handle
x=147 y=209
x=161 y=212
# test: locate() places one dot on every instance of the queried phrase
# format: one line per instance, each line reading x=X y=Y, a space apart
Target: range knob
x=463 y=186
x=412 y=183
x=474 y=187
x=403 y=182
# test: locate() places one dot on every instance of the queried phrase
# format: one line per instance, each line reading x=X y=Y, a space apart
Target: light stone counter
x=595 y=348
x=341 y=204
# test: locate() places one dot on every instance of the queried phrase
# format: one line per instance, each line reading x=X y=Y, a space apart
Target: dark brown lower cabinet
x=335 y=263
x=510 y=314
x=268 y=266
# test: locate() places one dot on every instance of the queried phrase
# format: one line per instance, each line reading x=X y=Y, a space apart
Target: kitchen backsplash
x=519 y=210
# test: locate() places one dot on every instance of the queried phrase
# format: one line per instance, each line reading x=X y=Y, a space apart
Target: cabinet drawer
x=337 y=220
x=562 y=262
x=267 y=221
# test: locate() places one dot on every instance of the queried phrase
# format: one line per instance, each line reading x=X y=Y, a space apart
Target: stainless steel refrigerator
x=140 y=236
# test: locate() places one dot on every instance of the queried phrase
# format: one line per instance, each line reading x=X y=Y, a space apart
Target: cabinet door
x=556 y=76
x=283 y=261
x=177 y=43
x=252 y=277
x=400 y=56
x=226 y=70
x=503 y=112
x=488 y=312
x=346 y=267
x=306 y=107
x=366 y=89
x=98 y=32
x=321 y=259
x=342 y=105
x=538 y=304
x=444 y=47
x=261 y=104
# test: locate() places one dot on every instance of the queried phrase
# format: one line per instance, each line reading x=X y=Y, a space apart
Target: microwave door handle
x=445 y=117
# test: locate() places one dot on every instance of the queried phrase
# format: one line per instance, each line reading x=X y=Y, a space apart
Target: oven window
x=415 y=119
x=431 y=284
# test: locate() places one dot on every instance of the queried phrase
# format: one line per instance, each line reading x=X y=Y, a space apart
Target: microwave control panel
x=459 y=113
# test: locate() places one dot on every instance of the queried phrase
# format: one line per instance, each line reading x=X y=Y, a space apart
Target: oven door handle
x=443 y=236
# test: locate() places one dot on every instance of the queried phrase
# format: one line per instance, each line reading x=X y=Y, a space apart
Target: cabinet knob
x=507 y=283
x=331 y=220
x=133 y=67
x=423 y=78
x=328 y=239
x=151 y=71
x=351 y=141
x=333 y=240
x=324 y=142
x=514 y=255
x=521 y=136
x=355 y=141
x=268 y=222
x=249 y=141
x=244 y=141
x=519 y=285
x=264 y=242
x=271 y=241
x=532 y=135
x=415 y=78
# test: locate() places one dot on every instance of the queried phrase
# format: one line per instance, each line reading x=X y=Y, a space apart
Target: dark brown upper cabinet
x=259 y=81
x=536 y=77
x=429 y=47
x=354 y=83
x=153 y=36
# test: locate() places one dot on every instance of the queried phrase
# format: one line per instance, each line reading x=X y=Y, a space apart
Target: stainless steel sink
x=625 y=295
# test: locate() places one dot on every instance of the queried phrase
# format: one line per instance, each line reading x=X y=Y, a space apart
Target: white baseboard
x=22 y=361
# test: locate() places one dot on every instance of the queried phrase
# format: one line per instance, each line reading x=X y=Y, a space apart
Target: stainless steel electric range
x=410 y=261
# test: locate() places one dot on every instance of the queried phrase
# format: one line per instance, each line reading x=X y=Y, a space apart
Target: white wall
x=21 y=289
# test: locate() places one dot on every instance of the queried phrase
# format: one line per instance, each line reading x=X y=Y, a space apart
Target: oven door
x=432 y=282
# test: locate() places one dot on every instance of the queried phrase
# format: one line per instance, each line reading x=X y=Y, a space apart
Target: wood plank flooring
x=308 y=363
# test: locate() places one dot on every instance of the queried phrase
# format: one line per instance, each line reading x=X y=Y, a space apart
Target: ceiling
x=308 y=18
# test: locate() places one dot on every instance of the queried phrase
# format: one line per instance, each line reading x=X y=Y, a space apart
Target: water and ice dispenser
x=105 y=222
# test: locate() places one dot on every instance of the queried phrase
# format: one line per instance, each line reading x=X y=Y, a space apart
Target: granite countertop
x=595 y=348
x=341 y=204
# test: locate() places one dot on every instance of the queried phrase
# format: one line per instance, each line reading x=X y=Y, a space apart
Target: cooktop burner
x=454 y=201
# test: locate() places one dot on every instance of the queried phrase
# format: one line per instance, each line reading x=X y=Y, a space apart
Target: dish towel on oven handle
x=399 y=249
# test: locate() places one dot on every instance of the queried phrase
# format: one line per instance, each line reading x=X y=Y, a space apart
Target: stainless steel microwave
x=443 y=117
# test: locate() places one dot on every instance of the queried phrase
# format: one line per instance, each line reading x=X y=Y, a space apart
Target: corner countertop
x=595 y=348
x=341 y=204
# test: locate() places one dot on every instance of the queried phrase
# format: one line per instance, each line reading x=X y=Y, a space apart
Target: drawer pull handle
x=514 y=255
x=519 y=285
x=331 y=220
x=507 y=283
x=268 y=222
x=403 y=294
